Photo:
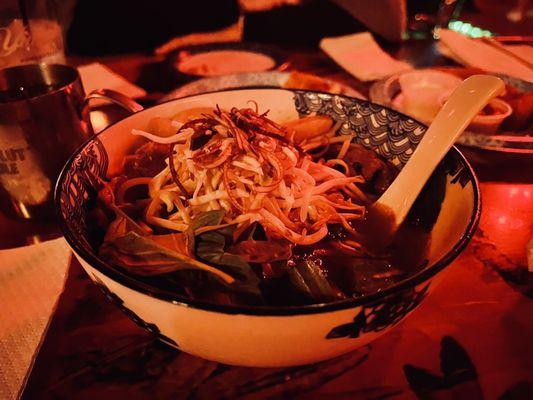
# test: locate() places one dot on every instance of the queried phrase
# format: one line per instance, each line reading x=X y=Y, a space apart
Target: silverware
x=500 y=47
x=517 y=39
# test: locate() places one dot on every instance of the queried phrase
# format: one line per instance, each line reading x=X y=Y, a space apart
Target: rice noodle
x=324 y=187
x=342 y=163
x=129 y=184
x=183 y=135
x=344 y=148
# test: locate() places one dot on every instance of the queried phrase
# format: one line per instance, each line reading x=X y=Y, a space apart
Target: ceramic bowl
x=448 y=208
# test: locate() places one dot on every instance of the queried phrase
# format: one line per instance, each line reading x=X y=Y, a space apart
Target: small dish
x=482 y=135
x=218 y=59
x=420 y=92
x=223 y=62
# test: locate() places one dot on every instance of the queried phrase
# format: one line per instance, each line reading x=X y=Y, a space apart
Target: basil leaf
x=178 y=242
x=207 y=218
x=309 y=279
x=142 y=256
x=245 y=232
x=208 y=287
x=121 y=225
x=200 y=285
x=210 y=248
x=262 y=251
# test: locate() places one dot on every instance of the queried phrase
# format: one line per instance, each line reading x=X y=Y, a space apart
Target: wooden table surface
x=470 y=339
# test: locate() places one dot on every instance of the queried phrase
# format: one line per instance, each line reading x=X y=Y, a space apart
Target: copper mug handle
x=111 y=96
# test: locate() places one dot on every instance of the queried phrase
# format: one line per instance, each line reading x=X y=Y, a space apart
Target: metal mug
x=44 y=118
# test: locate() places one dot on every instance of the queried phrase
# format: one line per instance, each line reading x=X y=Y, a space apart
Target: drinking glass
x=29 y=33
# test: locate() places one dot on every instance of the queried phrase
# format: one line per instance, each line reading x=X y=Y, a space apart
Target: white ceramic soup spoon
x=462 y=106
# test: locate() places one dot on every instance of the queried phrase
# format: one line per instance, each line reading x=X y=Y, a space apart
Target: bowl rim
x=130 y=282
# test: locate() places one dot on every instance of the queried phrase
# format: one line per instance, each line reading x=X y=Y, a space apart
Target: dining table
x=472 y=338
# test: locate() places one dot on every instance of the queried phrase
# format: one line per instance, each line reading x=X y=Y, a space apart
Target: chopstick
x=516 y=39
x=494 y=43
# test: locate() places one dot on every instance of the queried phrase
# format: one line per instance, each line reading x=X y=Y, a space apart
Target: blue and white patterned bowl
x=276 y=336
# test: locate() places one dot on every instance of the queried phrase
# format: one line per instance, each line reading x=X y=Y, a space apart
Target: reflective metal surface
x=41 y=124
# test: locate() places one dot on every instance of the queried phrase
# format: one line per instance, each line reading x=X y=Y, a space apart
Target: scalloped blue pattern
x=392 y=135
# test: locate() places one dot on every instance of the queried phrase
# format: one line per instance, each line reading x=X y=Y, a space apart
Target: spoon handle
x=453 y=118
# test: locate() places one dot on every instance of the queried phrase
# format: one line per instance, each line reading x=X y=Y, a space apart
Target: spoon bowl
x=466 y=101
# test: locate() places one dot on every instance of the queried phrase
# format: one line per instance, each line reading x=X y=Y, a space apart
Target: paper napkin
x=361 y=56
x=475 y=53
x=31 y=280
x=98 y=76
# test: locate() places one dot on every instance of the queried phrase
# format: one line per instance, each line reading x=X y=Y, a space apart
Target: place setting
x=220 y=210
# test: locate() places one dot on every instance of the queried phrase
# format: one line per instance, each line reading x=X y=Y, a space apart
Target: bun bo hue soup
x=228 y=206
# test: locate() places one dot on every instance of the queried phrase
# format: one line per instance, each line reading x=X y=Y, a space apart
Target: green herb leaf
x=309 y=279
x=142 y=256
x=174 y=241
x=207 y=218
x=121 y=225
x=262 y=251
x=210 y=248
x=245 y=232
x=200 y=285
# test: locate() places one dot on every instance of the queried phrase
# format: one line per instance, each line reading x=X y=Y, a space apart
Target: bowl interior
x=448 y=207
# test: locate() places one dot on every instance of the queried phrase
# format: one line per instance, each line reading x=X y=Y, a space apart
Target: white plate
x=248 y=80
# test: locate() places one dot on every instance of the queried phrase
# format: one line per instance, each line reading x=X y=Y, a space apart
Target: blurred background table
x=470 y=339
